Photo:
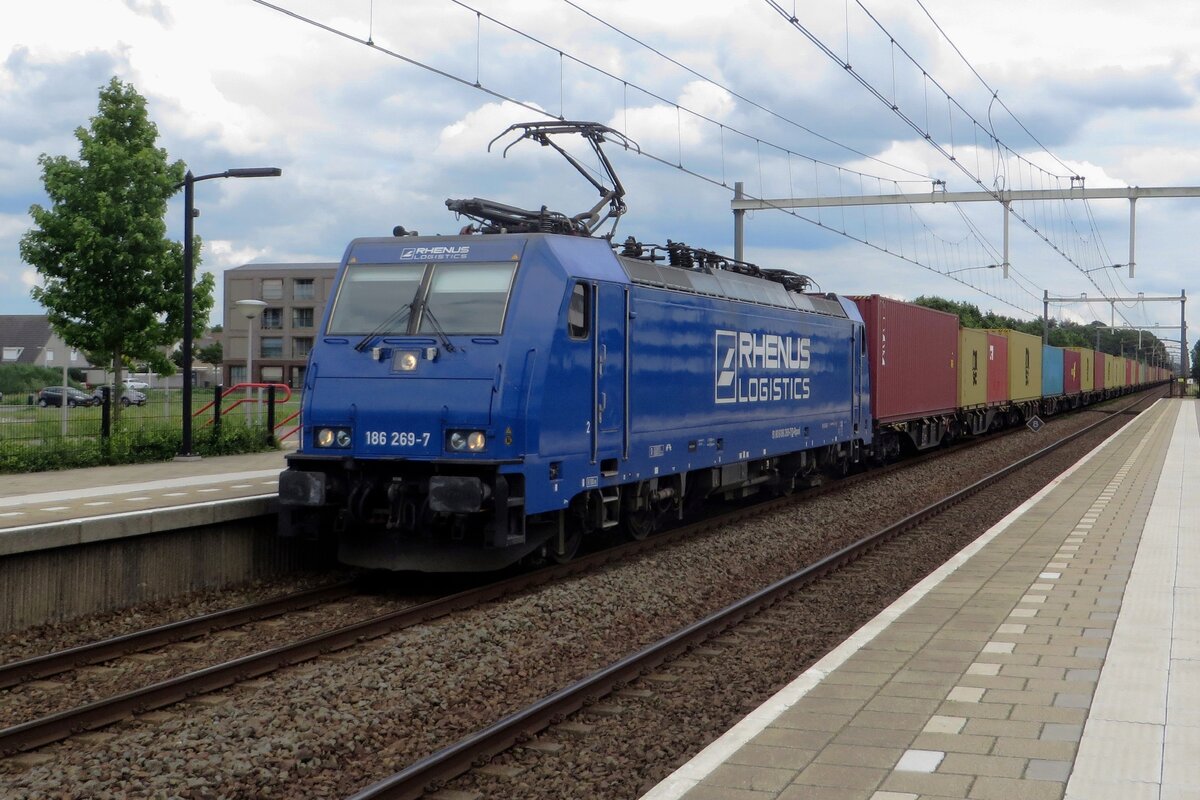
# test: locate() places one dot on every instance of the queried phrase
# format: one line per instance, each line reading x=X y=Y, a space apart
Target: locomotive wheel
x=571 y=544
x=640 y=524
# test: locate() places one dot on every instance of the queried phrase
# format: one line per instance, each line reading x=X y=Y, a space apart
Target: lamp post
x=968 y=269
x=251 y=310
x=189 y=277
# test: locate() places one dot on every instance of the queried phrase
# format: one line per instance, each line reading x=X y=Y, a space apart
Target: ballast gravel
x=331 y=726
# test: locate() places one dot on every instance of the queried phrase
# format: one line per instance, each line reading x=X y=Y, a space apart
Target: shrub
x=17 y=380
x=133 y=446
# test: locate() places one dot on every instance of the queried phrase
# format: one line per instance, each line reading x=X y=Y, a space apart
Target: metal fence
x=26 y=424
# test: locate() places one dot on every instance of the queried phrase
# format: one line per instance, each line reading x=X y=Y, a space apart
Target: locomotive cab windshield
x=445 y=298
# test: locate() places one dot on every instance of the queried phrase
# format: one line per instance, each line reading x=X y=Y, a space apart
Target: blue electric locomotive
x=476 y=399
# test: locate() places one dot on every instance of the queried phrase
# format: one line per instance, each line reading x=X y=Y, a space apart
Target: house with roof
x=28 y=339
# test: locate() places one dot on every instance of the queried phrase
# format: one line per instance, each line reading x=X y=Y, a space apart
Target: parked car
x=53 y=396
x=136 y=385
x=129 y=397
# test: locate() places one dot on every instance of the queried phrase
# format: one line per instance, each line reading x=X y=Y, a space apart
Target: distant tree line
x=1061 y=334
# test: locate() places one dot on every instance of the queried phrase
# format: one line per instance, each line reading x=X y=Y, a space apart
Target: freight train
x=502 y=394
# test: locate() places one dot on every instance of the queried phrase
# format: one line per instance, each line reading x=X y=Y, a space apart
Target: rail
x=457 y=758
x=44 y=666
x=452 y=761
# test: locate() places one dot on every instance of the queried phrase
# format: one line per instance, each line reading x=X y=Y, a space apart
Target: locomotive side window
x=577 y=311
x=467 y=298
x=374 y=294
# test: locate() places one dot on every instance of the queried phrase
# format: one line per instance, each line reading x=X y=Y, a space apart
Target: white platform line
x=119 y=489
x=1142 y=724
x=130 y=514
x=718 y=752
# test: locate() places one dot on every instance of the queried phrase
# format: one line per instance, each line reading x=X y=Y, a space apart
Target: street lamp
x=189 y=276
x=251 y=310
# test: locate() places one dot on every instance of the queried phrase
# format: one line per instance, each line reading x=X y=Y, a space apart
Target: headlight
x=466 y=441
x=406 y=360
x=332 y=437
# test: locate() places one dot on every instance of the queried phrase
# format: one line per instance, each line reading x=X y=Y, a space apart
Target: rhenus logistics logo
x=438 y=253
x=760 y=367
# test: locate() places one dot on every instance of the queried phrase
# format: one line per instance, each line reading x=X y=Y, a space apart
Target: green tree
x=211 y=354
x=112 y=283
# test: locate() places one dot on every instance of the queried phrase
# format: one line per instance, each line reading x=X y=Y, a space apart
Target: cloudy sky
x=1021 y=95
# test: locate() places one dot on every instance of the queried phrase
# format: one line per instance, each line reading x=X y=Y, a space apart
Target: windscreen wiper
x=427 y=313
x=399 y=315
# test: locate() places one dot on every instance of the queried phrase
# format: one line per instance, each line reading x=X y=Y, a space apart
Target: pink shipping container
x=1072 y=364
x=1098 y=368
x=997 y=369
x=914 y=358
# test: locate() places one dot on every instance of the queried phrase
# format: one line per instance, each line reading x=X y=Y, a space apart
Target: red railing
x=256 y=398
x=294 y=415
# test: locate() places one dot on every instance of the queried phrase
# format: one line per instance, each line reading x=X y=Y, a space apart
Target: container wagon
x=1024 y=372
x=1087 y=369
x=997 y=353
x=974 y=414
x=1072 y=378
x=1052 y=378
x=913 y=354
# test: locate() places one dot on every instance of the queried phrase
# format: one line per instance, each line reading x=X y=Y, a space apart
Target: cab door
x=610 y=377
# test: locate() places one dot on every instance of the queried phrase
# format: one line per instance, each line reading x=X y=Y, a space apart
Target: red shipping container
x=997 y=369
x=914 y=358
x=1072 y=363
x=1098 y=369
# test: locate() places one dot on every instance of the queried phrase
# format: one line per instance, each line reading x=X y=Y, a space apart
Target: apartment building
x=283 y=333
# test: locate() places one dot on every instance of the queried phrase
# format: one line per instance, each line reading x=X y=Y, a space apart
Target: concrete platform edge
x=718 y=752
x=129 y=524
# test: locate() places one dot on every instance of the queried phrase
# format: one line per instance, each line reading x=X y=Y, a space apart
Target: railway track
x=50 y=664
x=482 y=746
x=94 y=715
x=59 y=726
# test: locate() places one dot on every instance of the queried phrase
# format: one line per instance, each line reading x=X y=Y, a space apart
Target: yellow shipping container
x=1087 y=368
x=1114 y=372
x=1024 y=365
x=972 y=367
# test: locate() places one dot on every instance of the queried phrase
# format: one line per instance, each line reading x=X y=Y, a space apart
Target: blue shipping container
x=1052 y=371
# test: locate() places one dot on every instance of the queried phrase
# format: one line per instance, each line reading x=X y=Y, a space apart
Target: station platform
x=1058 y=656
x=54 y=509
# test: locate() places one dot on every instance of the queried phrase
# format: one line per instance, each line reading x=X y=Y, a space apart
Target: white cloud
x=468 y=137
x=222 y=254
x=367 y=141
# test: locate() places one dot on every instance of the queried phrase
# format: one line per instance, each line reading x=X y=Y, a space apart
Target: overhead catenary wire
x=734 y=93
x=995 y=95
x=924 y=132
x=499 y=95
x=649 y=93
